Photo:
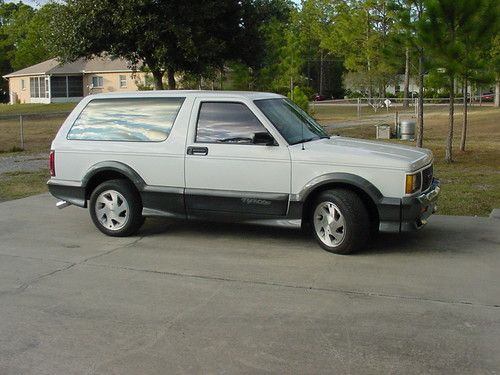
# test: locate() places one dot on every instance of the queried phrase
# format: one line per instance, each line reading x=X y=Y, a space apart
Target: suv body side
x=183 y=176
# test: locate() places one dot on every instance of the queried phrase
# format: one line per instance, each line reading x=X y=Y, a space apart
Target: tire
x=340 y=221
x=116 y=209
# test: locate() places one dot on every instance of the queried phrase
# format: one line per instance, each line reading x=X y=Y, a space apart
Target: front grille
x=426 y=178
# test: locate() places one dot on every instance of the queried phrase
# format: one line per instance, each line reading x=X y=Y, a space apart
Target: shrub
x=299 y=98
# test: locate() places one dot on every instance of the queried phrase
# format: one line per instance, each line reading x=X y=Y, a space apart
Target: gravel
x=23 y=163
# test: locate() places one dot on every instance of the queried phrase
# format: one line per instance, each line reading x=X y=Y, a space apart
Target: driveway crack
x=303 y=287
x=69 y=265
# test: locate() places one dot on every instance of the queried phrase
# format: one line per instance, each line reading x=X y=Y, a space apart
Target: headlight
x=413 y=182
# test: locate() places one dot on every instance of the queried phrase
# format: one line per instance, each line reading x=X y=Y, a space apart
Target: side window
x=133 y=120
x=97 y=81
x=226 y=122
x=123 y=81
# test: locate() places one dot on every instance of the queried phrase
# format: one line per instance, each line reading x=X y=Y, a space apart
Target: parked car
x=319 y=98
x=248 y=157
x=488 y=97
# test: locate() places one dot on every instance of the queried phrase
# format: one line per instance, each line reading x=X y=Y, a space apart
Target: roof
x=53 y=66
x=252 y=95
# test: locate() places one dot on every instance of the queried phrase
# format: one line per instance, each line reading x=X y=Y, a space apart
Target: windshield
x=293 y=123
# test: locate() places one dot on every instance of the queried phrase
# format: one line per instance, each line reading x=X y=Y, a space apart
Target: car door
x=226 y=172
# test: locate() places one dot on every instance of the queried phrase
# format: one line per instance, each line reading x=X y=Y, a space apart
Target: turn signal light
x=413 y=182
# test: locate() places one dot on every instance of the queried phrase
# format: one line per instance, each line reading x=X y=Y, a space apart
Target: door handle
x=202 y=151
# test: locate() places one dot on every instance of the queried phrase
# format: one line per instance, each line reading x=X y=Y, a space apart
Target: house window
x=123 y=81
x=97 y=81
x=23 y=86
x=38 y=87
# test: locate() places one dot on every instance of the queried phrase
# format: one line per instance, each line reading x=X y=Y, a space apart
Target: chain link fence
x=31 y=132
x=375 y=111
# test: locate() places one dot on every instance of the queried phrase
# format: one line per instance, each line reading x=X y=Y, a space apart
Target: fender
x=114 y=166
x=345 y=178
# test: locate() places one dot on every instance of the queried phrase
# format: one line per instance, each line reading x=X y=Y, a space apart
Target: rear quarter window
x=127 y=119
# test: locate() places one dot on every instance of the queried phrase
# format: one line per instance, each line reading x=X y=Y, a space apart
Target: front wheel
x=116 y=209
x=340 y=221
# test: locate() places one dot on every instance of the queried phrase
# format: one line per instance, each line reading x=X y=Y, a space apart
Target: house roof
x=53 y=66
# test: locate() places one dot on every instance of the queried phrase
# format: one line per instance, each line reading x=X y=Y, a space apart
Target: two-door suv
x=238 y=156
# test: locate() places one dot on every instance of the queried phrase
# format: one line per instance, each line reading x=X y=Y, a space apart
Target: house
x=356 y=82
x=53 y=82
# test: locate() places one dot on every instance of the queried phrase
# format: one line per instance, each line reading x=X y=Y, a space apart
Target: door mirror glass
x=263 y=138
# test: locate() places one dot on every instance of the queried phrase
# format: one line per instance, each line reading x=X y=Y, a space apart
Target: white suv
x=238 y=156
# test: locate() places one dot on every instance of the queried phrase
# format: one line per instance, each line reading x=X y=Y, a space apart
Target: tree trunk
x=449 y=142
x=158 y=78
x=464 y=123
x=321 y=73
x=420 y=115
x=497 y=92
x=171 y=78
x=406 y=90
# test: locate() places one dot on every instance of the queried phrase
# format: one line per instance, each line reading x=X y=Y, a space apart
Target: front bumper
x=409 y=213
x=416 y=210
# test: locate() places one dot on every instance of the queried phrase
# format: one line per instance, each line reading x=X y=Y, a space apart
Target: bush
x=300 y=98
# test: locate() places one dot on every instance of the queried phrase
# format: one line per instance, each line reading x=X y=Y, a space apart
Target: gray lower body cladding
x=395 y=215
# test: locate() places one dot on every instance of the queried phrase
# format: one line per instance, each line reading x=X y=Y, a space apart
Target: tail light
x=52 y=163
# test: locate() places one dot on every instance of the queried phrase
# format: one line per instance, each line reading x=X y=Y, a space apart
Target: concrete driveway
x=189 y=298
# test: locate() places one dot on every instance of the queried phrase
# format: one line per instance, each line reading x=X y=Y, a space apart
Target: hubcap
x=329 y=224
x=112 y=210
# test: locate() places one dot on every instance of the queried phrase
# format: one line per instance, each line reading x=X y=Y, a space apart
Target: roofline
x=252 y=95
x=109 y=71
x=7 y=76
x=13 y=75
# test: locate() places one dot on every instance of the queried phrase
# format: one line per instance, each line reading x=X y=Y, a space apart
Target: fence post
x=359 y=109
x=22 y=131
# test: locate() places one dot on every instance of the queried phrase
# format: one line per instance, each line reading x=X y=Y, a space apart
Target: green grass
x=38 y=133
x=8 y=109
x=471 y=184
x=15 y=185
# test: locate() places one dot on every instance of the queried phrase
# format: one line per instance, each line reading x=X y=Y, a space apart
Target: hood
x=360 y=152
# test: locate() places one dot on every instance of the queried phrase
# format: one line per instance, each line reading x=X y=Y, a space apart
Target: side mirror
x=263 y=138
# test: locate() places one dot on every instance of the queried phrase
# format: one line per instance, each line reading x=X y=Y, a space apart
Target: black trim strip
x=235 y=202
x=114 y=166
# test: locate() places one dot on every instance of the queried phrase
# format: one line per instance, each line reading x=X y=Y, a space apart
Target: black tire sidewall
x=129 y=193
x=355 y=215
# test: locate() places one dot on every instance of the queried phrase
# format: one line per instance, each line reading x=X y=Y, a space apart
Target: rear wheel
x=340 y=221
x=116 y=209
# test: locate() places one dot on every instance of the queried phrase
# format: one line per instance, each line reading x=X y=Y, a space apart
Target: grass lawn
x=341 y=112
x=8 y=109
x=38 y=134
x=14 y=185
x=471 y=184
